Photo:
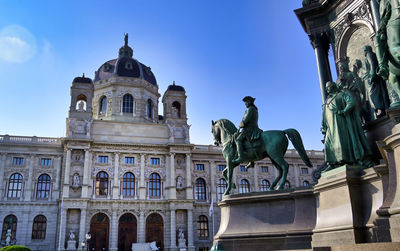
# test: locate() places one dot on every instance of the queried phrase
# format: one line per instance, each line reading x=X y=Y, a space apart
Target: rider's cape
x=250 y=124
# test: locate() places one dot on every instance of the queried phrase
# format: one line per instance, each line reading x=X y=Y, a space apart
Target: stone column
x=24 y=229
x=116 y=176
x=212 y=181
x=190 y=229
x=189 y=188
x=142 y=229
x=62 y=229
x=375 y=14
x=57 y=166
x=86 y=174
x=114 y=231
x=28 y=187
x=255 y=172
x=2 y=167
x=320 y=44
x=66 y=175
x=173 y=229
x=172 y=189
x=142 y=185
x=82 y=227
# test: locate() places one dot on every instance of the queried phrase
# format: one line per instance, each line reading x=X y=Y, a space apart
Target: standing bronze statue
x=345 y=142
x=255 y=145
x=388 y=45
x=376 y=87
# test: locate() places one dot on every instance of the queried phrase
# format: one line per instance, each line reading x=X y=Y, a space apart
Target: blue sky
x=220 y=51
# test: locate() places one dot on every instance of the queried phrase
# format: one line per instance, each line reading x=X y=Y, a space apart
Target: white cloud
x=17 y=44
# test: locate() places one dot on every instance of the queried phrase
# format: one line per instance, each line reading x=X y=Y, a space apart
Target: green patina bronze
x=345 y=142
x=255 y=145
x=388 y=45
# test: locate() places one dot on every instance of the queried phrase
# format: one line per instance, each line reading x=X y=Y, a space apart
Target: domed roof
x=125 y=66
x=82 y=79
x=175 y=87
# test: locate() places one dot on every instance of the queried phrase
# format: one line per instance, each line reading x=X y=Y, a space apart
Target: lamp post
x=88 y=236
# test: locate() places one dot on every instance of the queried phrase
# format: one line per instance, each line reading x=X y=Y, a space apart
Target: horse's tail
x=295 y=138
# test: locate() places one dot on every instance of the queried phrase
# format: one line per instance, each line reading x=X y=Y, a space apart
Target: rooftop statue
x=252 y=144
x=376 y=87
x=388 y=45
x=345 y=142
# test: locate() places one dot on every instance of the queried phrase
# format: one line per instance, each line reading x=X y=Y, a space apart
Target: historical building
x=122 y=173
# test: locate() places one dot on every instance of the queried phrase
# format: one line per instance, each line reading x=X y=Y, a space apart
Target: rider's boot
x=239 y=148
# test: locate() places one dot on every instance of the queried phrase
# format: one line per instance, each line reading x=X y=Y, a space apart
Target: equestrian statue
x=250 y=143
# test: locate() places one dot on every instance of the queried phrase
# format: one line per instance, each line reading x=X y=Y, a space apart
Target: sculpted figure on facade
x=388 y=45
x=81 y=106
x=76 y=182
x=71 y=235
x=376 y=87
x=345 y=142
x=8 y=237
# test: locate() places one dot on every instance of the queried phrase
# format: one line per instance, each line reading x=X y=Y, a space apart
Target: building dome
x=175 y=87
x=82 y=79
x=125 y=66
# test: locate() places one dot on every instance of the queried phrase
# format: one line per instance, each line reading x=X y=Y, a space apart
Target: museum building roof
x=125 y=66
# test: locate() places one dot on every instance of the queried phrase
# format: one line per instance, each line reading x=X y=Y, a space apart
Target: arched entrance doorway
x=99 y=229
x=155 y=230
x=127 y=232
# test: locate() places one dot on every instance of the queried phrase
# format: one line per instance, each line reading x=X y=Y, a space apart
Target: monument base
x=71 y=245
x=267 y=220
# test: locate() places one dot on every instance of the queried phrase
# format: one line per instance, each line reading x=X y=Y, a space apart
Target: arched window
x=149 y=109
x=81 y=102
x=43 y=187
x=244 y=186
x=128 y=184
x=103 y=106
x=265 y=185
x=154 y=185
x=10 y=222
x=102 y=183
x=221 y=187
x=127 y=103
x=15 y=186
x=176 y=109
x=287 y=185
x=202 y=227
x=306 y=183
x=200 y=189
x=39 y=227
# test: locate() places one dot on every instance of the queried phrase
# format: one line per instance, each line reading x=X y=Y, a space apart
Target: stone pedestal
x=182 y=244
x=387 y=226
x=338 y=208
x=267 y=220
x=71 y=245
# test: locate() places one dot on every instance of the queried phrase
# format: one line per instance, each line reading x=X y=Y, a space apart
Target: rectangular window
x=130 y=160
x=243 y=169
x=264 y=169
x=155 y=161
x=199 y=167
x=304 y=170
x=18 y=161
x=221 y=167
x=103 y=160
x=45 y=162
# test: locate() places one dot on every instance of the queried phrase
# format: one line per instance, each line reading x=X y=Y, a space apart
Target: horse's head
x=216 y=133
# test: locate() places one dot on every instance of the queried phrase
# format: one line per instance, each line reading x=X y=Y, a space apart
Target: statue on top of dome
x=126 y=39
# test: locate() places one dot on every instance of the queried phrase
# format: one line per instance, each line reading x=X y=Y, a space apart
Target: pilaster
x=141 y=232
x=172 y=189
x=189 y=188
x=66 y=175
x=212 y=181
x=142 y=187
x=62 y=228
x=173 y=229
x=114 y=231
x=57 y=166
x=28 y=187
x=116 y=176
x=2 y=167
x=85 y=183
x=190 y=229
x=255 y=172
x=82 y=226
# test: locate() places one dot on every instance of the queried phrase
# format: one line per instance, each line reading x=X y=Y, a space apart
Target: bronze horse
x=272 y=144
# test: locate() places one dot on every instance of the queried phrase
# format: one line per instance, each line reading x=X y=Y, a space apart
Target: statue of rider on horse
x=252 y=144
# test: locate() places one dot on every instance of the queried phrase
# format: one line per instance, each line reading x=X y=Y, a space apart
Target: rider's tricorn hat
x=248 y=98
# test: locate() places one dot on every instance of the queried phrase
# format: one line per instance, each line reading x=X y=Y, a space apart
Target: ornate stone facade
x=122 y=168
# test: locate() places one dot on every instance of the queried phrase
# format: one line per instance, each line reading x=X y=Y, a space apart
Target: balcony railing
x=28 y=139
